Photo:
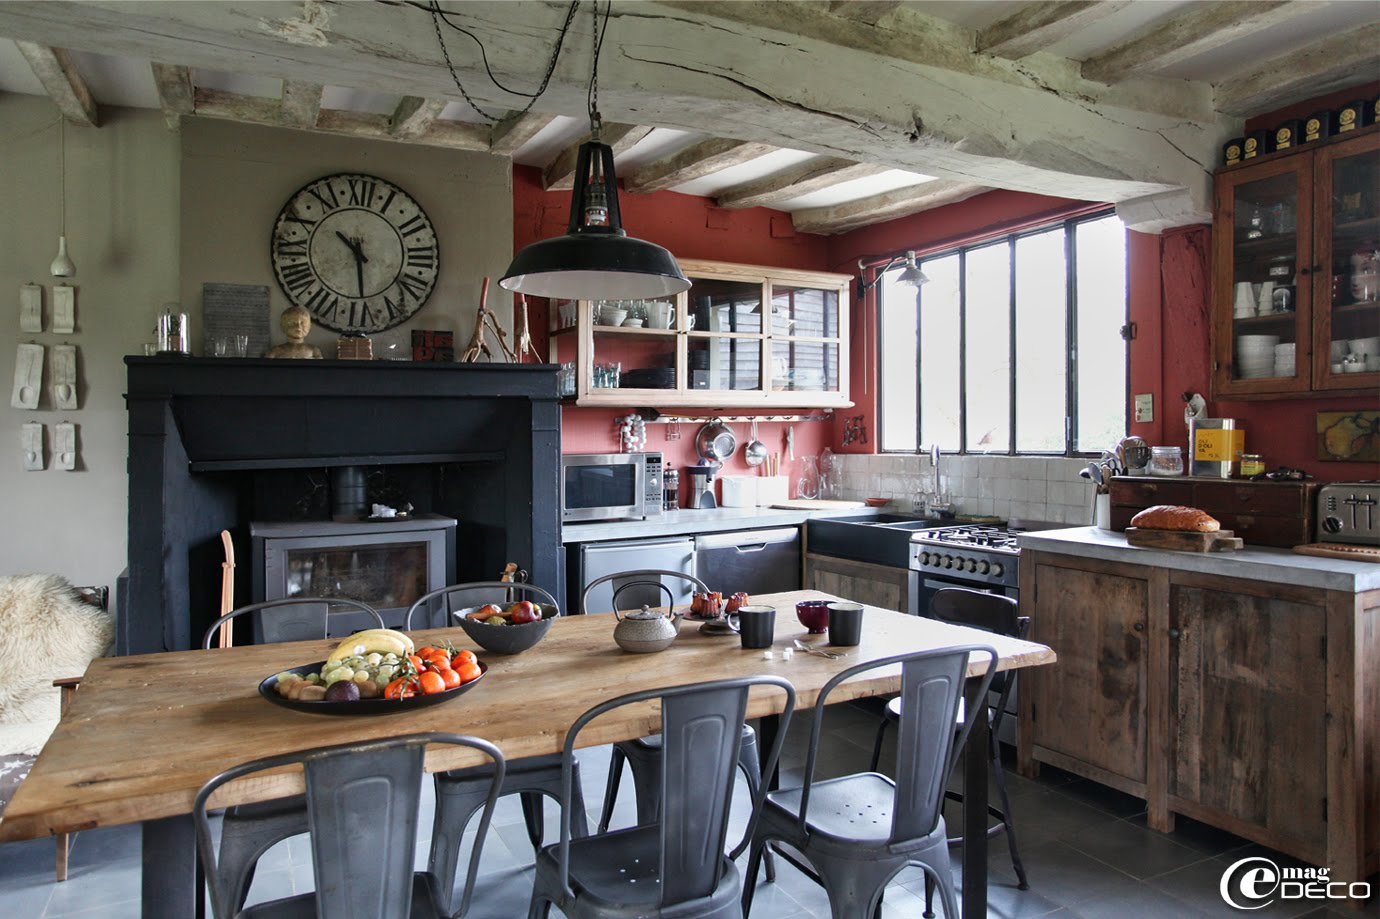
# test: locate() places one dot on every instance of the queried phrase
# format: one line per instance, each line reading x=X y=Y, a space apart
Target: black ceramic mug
x=845 y=624
x=757 y=626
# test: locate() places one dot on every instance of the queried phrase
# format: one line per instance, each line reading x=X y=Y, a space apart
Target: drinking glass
x=241 y=345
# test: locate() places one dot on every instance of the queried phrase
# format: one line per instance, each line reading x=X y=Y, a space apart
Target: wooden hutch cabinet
x=742 y=336
x=1293 y=234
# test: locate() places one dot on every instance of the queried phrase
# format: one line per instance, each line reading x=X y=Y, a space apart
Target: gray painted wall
x=151 y=216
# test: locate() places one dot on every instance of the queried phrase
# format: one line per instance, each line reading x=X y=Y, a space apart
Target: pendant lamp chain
x=596 y=121
x=62 y=175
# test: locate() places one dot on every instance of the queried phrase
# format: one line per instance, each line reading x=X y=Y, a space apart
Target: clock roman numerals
x=322 y=302
x=304 y=221
x=361 y=191
x=421 y=256
x=290 y=248
x=413 y=225
x=410 y=286
x=328 y=199
x=297 y=277
x=396 y=313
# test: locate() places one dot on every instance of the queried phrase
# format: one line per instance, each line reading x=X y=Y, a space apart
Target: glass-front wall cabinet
x=741 y=336
x=1296 y=268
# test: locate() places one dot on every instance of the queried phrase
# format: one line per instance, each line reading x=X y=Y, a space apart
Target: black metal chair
x=998 y=615
x=362 y=804
x=677 y=866
x=859 y=831
x=460 y=792
x=250 y=830
x=643 y=756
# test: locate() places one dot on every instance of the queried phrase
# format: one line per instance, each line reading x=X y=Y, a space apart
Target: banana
x=384 y=641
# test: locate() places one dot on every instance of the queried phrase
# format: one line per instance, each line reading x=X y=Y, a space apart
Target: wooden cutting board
x=1340 y=550
x=1221 y=541
x=817 y=504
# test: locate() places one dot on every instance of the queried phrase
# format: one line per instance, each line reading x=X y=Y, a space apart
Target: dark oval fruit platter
x=268 y=689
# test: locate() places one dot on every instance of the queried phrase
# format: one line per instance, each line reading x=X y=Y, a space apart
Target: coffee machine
x=702 y=486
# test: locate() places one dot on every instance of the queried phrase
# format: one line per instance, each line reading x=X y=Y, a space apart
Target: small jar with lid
x=1166 y=461
x=1252 y=464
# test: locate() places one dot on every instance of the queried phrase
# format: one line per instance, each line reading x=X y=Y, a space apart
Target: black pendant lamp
x=595 y=259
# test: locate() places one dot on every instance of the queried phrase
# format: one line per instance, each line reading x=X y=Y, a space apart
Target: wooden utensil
x=1220 y=541
x=225 y=637
x=1340 y=550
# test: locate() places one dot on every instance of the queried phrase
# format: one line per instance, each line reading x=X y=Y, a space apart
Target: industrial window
x=1013 y=346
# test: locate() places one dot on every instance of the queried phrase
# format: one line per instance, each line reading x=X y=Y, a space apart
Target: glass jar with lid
x=1166 y=461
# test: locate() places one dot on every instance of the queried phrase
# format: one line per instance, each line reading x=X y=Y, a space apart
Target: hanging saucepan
x=715 y=442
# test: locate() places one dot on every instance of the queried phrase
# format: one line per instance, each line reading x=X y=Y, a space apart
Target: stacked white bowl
x=1284 y=359
x=1255 y=356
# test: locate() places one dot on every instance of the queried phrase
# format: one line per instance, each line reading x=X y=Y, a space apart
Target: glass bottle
x=1166 y=461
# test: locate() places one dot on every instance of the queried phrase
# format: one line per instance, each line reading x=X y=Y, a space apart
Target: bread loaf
x=1175 y=517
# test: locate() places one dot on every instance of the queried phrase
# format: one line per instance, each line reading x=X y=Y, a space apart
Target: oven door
x=924 y=585
x=603 y=486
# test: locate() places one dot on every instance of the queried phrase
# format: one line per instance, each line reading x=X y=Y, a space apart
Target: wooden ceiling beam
x=889 y=205
x=515 y=130
x=174 y=83
x=1036 y=26
x=414 y=116
x=868 y=11
x=1202 y=30
x=301 y=104
x=694 y=162
x=560 y=174
x=57 y=72
x=811 y=176
x=454 y=135
x=1332 y=63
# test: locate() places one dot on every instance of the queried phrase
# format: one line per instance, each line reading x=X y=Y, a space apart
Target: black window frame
x=1069 y=225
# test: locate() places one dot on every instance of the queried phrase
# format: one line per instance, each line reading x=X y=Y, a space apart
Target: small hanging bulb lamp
x=595 y=259
x=62 y=266
x=911 y=275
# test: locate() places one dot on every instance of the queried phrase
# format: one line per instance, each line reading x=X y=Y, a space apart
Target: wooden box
x=1261 y=513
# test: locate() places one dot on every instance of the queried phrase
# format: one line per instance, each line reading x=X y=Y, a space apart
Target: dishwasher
x=752 y=561
x=596 y=559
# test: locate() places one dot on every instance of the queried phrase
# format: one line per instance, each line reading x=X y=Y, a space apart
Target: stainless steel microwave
x=610 y=486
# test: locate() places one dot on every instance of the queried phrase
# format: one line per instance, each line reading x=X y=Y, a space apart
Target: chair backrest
x=362 y=803
x=990 y=612
x=294 y=619
x=477 y=593
x=701 y=730
x=640 y=577
x=932 y=684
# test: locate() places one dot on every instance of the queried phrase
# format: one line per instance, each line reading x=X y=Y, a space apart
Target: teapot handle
x=670 y=597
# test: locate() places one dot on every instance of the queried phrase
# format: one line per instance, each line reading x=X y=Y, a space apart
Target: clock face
x=356 y=251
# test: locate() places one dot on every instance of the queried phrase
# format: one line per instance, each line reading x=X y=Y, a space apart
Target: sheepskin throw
x=46 y=633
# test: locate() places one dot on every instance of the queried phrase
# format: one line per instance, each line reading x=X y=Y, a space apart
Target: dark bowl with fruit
x=508 y=629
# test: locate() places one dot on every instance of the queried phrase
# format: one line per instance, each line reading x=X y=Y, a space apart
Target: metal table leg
x=767 y=728
x=172 y=886
x=975 y=805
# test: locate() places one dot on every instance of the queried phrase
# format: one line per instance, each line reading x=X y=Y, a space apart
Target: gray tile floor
x=1086 y=848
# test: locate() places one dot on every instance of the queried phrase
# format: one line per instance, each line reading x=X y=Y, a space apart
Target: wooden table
x=145 y=732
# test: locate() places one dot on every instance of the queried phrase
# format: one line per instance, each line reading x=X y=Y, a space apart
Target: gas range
x=983 y=556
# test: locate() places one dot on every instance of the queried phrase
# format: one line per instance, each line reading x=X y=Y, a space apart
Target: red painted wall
x=691 y=227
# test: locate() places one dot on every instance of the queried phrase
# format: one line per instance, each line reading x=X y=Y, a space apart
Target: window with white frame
x=1013 y=346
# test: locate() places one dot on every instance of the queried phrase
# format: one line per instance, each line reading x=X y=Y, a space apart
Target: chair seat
x=893 y=711
x=426 y=903
x=291 y=806
x=619 y=869
x=516 y=769
x=653 y=741
x=853 y=808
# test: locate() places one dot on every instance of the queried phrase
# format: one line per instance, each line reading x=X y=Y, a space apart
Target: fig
x=343 y=691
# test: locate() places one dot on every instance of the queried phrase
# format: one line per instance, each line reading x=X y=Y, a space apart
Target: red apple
x=523 y=611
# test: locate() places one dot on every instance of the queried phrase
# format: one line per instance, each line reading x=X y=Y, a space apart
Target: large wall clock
x=357 y=251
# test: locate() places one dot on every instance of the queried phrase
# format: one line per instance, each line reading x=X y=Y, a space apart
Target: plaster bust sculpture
x=296 y=323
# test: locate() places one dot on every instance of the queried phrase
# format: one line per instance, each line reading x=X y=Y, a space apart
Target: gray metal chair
x=362 y=804
x=643 y=755
x=859 y=831
x=250 y=830
x=460 y=792
x=998 y=615
x=677 y=867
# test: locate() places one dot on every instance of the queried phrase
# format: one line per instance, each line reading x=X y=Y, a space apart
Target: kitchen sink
x=883 y=539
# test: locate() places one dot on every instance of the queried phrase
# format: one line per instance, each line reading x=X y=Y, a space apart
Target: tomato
x=401 y=688
x=463 y=657
x=468 y=671
x=431 y=682
x=451 y=678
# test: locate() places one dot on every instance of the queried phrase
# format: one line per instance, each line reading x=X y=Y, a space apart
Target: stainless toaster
x=1349 y=512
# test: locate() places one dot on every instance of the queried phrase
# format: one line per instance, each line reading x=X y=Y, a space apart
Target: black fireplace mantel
x=199 y=426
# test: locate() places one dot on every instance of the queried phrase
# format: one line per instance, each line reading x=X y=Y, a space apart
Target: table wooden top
x=145 y=732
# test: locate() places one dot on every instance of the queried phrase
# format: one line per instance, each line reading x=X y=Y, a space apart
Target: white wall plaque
x=31 y=444
x=64 y=308
x=30 y=308
x=28 y=376
x=65 y=377
x=65 y=446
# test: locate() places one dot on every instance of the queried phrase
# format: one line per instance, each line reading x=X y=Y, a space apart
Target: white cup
x=1245 y=298
x=660 y=314
x=1266 y=299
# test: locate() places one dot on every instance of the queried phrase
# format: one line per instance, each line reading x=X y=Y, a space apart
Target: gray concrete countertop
x=689 y=523
x=1279 y=566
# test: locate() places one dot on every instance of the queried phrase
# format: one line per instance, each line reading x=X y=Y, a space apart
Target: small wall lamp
x=911 y=275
